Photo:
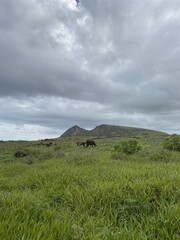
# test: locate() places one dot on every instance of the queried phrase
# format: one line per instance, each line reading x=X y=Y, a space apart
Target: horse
x=81 y=144
x=90 y=143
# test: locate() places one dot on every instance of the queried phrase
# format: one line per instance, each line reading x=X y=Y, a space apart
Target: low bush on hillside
x=31 y=155
x=129 y=146
x=172 y=143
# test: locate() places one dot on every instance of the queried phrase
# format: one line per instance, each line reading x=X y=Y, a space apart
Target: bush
x=19 y=154
x=172 y=143
x=129 y=146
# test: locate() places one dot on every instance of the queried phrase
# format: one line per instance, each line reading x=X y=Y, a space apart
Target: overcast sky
x=101 y=62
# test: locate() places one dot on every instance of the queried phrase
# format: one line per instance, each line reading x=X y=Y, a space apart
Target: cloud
x=102 y=62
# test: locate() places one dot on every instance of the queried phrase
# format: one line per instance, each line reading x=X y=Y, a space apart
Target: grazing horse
x=90 y=143
x=81 y=144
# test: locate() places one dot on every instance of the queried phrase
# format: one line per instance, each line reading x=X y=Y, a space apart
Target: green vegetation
x=128 y=146
x=172 y=143
x=61 y=191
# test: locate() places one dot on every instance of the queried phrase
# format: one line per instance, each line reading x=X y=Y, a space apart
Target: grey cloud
x=119 y=58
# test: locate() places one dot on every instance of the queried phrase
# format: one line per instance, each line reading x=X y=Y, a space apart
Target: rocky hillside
x=75 y=131
x=110 y=131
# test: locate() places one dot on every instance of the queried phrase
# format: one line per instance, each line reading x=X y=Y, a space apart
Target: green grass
x=65 y=192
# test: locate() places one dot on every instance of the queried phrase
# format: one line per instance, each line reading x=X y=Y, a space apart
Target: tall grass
x=86 y=194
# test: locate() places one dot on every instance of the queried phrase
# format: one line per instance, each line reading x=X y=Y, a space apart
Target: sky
x=64 y=63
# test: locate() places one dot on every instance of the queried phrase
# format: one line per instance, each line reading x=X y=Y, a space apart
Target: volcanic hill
x=105 y=130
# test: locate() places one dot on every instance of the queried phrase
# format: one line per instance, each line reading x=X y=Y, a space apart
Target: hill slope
x=105 y=130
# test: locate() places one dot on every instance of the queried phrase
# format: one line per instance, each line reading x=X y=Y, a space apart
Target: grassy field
x=65 y=192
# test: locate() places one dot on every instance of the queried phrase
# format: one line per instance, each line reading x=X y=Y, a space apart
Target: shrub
x=172 y=143
x=129 y=146
x=19 y=154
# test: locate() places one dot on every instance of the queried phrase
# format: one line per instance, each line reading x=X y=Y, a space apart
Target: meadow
x=64 y=192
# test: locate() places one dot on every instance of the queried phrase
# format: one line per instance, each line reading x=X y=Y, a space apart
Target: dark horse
x=90 y=143
x=81 y=144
